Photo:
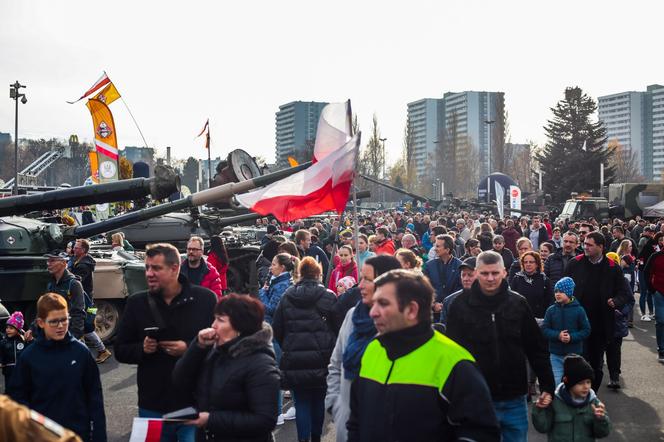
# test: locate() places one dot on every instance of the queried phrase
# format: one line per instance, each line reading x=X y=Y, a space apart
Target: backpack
x=90 y=309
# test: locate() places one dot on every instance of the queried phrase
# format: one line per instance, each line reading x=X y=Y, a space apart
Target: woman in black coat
x=232 y=371
x=305 y=327
x=531 y=283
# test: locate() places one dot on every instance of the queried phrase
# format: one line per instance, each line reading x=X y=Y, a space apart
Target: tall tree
x=499 y=130
x=570 y=160
x=373 y=159
x=449 y=149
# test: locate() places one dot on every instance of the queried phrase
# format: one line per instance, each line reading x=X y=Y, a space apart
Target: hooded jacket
x=60 y=380
x=187 y=314
x=210 y=279
x=237 y=383
x=305 y=327
x=271 y=296
x=83 y=268
x=70 y=288
x=571 y=317
x=500 y=331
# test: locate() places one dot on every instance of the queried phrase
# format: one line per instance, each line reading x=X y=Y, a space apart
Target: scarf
x=363 y=332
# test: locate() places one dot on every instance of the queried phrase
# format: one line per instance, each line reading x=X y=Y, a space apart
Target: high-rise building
x=296 y=125
x=424 y=125
x=636 y=121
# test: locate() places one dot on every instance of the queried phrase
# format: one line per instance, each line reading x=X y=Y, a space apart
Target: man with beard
x=154 y=332
x=197 y=270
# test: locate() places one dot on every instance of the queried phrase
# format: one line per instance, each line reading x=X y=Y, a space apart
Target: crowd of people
x=424 y=325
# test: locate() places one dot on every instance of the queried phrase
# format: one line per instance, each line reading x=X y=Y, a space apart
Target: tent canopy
x=655 y=211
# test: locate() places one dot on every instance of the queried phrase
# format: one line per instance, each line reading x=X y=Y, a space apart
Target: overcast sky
x=178 y=63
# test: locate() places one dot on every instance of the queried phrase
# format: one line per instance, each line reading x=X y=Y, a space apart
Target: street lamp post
x=383 y=141
x=488 y=162
x=14 y=93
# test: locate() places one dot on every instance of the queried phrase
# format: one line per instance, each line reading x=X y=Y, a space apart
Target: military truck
x=628 y=200
x=583 y=207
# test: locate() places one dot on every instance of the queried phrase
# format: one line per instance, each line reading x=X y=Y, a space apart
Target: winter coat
x=486 y=240
x=263 y=270
x=271 y=295
x=363 y=256
x=571 y=317
x=20 y=424
x=237 y=383
x=385 y=248
x=73 y=293
x=564 y=423
x=508 y=257
x=622 y=315
x=60 y=379
x=337 y=399
x=210 y=276
x=654 y=272
x=83 y=268
x=447 y=284
x=537 y=290
x=341 y=271
x=500 y=331
x=511 y=235
x=554 y=266
x=609 y=283
x=222 y=268
x=543 y=235
x=10 y=350
x=318 y=254
x=347 y=301
x=305 y=328
x=187 y=314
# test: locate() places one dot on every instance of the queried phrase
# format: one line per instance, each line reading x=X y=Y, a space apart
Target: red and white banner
x=322 y=187
x=333 y=129
x=103 y=81
x=146 y=430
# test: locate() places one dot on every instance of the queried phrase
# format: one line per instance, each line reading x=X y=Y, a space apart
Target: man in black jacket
x=554 y=266
x=84 y=265
x=496 y=325
x=414 y=383
x=601 y=289
x=179 y=310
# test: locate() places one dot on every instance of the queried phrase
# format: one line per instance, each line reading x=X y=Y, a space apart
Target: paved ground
x=637 y=411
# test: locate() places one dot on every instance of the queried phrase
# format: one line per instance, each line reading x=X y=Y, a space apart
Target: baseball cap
x=469 y=263
x=57 y=254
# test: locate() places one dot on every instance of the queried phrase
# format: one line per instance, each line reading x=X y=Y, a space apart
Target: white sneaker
x=646 y=318
x=280 y=419
x=290 y=414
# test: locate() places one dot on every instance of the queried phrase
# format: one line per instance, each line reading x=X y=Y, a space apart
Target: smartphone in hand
x=152 y=332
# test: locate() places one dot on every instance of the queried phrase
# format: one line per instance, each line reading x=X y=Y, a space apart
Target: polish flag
x=103 y=81
x=322 y=187
x=146 y=430
x=333 y=129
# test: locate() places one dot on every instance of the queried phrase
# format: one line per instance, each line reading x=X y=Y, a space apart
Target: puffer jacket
x=237 y=383
x=210 y=276
x=83 y=268
x=271 y=295
x=537 y=290
x=571 y=317
x=554 y=266
x=305 y=327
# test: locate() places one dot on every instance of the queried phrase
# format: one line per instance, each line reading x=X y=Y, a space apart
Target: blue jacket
x=60 y=380
x=271 y=295
x=446 y=284
x=571 y=317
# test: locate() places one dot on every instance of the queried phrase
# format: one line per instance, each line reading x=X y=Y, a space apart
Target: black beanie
x=575 y=370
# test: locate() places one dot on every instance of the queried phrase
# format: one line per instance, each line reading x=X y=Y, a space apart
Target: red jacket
x=654 y=272
x=339 y=272
x=210 y=277
x=222 y=268
x=385 y=248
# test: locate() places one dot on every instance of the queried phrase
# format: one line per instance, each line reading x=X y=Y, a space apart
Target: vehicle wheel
x=107 y=320
x=234 y=280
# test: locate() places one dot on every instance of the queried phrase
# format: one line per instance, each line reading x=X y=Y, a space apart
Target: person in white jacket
x=355 y=334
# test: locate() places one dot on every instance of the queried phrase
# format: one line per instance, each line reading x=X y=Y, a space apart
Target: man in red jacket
x=384 y=245
x=654 y=279
x=197 y=270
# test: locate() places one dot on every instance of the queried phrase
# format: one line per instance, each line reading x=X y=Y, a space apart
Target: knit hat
x=565 y=285
x=613 y=256
x=410 y=226
x=347 y=282
x=575 y=370
x=16 y=320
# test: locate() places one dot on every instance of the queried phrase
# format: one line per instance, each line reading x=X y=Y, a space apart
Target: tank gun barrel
x=164 y=183
x=195 y=199
x=400 y=190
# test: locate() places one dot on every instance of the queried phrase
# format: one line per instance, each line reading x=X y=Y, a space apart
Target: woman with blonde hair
x=408 y=259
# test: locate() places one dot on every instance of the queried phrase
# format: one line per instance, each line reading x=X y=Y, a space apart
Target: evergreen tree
x=571 y=158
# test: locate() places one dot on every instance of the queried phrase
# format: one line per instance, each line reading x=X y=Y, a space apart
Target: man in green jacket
x=414 y=383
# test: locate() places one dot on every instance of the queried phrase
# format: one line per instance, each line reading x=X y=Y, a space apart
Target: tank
x=24 y=241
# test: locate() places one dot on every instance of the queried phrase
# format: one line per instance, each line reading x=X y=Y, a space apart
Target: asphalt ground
x=636 y=411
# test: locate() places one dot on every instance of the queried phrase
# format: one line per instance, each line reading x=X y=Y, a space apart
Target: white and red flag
x=322 y=187
x=333 y=129
x=103 y=81
x=146 y=430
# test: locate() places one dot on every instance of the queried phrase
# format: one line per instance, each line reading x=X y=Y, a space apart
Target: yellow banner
x=108 y=95
x=105 y=140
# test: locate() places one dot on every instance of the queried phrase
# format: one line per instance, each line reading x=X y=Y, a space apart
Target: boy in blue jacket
x=58 y=377
x=565 y=326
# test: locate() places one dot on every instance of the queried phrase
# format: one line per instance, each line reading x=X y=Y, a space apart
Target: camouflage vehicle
x=628 y=200
x=581 y=207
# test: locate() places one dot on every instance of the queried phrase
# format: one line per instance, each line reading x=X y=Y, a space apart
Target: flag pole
x=135 y=122
x=356 y=223
x=209 y=158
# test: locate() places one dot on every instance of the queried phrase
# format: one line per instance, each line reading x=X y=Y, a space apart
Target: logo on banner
x=103 y=130
x=101 y=97
x=515 y=193
x=108 y=169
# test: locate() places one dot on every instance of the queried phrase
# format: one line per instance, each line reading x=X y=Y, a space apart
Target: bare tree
x=372 y=159
x=625 y=162
x=498 y=134
x=448 y=148
x=467 y=168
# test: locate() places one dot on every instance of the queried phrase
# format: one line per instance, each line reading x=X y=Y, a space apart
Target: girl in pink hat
x=11 y=345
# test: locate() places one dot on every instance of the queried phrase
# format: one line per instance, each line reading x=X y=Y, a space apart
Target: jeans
x=309 y=411
x=659 y=321
x=171 y=432
x=645 y=295
x=557 y=367
x=94 y=341
x=513 y=419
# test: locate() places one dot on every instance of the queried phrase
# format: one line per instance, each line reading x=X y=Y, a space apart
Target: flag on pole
x=103 y=81
x=322 y=187
x=106 y=143
x=206 y=130
x=583 y=148
x=333 y=129
x=500 y=197
x=146 y=430
x=108 y=95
